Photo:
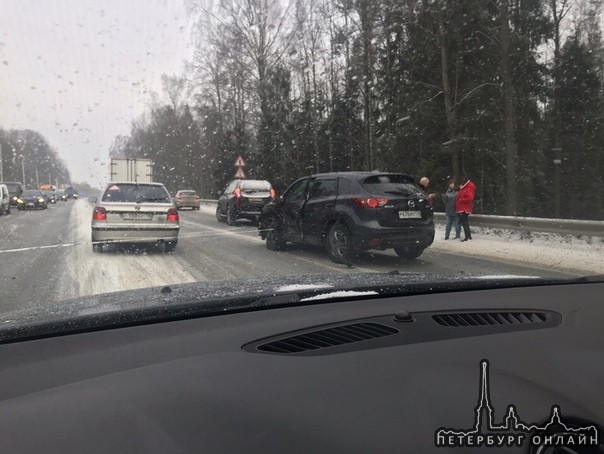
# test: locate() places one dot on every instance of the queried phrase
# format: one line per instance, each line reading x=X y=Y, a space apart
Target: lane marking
x=33 y=248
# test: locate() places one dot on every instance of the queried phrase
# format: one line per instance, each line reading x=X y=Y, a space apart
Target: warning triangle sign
x=240 y=174
x=239 y=162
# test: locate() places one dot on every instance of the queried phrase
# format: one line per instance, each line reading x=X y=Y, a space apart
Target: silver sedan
x=135 y=213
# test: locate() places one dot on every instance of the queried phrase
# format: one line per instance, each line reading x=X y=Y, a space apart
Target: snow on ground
x=118 y=270
x=565 y=253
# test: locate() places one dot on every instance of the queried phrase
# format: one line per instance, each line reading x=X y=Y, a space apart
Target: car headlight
x=20 y=201
x=41 y=200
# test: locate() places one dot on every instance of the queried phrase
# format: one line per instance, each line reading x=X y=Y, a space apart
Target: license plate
x=255 y=200
x=137 y=216
x=30 y=204
x=410 y=214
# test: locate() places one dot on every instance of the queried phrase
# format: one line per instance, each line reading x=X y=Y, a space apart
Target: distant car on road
x=187 y=198
x=71 y=193
x=244 y=199
x=135 y=213
x=50 y=196
x=60 y=195
x=15 y=190
x=349 y=212
x=4 y=200
x=32 y=199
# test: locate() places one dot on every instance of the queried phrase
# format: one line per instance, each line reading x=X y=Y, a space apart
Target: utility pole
x=23 y=169
x=37 y=179
x=1 y=166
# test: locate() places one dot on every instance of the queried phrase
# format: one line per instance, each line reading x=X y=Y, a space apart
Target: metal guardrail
x=523 y=224
x=560 y=226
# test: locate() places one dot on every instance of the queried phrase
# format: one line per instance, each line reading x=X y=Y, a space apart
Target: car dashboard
x=379 y=375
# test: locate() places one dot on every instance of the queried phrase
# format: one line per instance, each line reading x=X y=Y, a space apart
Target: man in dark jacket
x=448 y=199
x=464 y=203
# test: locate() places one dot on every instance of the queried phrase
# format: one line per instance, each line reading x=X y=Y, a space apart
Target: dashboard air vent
x=329 y=337
x=466 y=319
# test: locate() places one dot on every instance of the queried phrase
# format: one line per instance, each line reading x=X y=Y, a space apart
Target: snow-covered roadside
x=566 y=253
x=550 y=251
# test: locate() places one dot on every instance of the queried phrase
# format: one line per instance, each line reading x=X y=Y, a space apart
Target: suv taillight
x=197 y=197
x=179 y=196
x=237 y=196
x=172 y=215
x=99 y=214
x=371 y=202
x=273 y=194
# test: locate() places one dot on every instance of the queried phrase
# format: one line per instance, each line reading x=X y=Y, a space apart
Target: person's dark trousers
x=463 y=220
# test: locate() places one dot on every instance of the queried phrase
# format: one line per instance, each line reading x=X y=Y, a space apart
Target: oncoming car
x=348 y=212
x=32 y=199
x=135 y=213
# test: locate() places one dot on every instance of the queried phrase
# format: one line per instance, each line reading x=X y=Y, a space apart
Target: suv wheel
x=409 y=252
x=274 y=237
x=230 y=216
x=338 y=243
x=218 y=215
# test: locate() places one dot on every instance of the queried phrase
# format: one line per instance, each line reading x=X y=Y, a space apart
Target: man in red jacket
x=464 y=202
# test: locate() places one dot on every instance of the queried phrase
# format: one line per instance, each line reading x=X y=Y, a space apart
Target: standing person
x=464 y=202
x=448 y=199
x=424 y=183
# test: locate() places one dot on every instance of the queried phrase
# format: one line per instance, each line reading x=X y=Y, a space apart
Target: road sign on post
x=240 y=164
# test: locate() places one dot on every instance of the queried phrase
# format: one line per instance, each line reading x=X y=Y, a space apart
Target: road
x=47 y=256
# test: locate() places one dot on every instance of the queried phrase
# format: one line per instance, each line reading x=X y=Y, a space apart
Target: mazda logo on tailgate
x=411 y=203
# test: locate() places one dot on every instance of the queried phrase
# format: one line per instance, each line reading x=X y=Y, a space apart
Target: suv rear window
x=255 y=185
x=391 y=185
x=187 y=192
x=136 y=193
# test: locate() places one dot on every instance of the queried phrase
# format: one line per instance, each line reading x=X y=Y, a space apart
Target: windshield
x=31 y=194
x=314 y=138
x=13 y=188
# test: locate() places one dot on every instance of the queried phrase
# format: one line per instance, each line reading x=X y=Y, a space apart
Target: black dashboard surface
x=202 y=385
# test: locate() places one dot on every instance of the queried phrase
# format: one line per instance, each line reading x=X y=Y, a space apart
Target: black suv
x=244 y=199
x=350 y=212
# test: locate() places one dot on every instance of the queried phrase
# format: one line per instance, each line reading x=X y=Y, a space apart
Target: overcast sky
x=78 y=71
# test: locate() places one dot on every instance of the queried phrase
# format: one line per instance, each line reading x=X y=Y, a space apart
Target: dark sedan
x=32 y=199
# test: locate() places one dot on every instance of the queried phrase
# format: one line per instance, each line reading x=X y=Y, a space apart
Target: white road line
x=33 y=248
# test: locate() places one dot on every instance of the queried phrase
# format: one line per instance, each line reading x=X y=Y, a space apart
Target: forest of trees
x=506 y=92
x=27 y=157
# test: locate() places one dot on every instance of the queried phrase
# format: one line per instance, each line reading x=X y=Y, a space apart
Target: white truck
x=137 y=170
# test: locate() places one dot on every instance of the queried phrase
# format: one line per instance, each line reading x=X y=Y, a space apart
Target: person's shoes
x=465 y=239
x=457 y=238
x=446 y=238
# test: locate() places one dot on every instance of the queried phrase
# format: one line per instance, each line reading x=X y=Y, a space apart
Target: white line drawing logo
x=513 y=431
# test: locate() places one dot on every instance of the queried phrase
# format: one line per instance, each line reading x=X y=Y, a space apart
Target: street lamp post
x=557 y=163
x=23 y=169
